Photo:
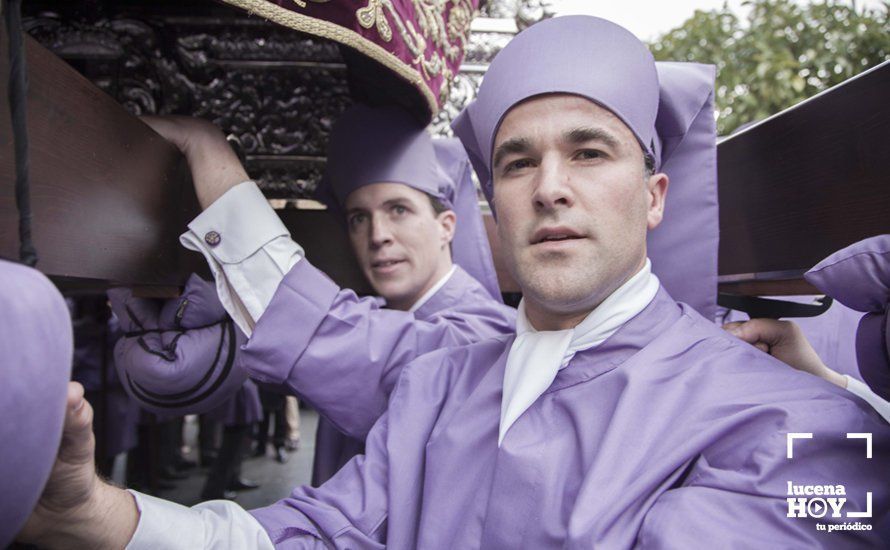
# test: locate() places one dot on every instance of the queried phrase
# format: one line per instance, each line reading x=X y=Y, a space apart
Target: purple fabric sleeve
x=745 y=483
x=873 y=352
x=859 y=277
x=344 y=353
x=177 y=356
x=297 y=309
x=349 y=511
x=352 y=509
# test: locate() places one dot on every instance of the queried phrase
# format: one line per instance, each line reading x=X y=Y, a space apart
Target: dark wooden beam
x=778 y=287
x=803 y=184
x=109 y=196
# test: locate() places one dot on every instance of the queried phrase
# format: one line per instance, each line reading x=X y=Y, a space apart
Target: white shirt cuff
x=216 y=524
x=862 y=391
x=248 y=248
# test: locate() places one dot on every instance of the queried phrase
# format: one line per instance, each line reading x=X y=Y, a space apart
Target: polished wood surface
x=806 y=182
x=778 y=287
x=109 y=196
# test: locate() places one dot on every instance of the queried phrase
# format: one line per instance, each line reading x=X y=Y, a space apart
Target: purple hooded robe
x=683 y=252
x=670 y=433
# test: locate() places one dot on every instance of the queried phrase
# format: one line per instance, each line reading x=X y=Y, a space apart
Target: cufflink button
x=212 y=238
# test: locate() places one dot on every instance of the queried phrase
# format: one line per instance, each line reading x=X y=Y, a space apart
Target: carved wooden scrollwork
x=275 y=91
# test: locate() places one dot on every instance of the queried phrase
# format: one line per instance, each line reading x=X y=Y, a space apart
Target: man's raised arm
x=297 y=317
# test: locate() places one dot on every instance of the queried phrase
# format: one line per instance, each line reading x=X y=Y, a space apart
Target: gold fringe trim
x=347 y=37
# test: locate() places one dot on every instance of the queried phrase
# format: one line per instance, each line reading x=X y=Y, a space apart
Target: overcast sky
x=648 y=18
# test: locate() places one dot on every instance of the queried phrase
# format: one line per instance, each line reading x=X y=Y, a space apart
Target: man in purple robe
x=411 y=212
x=614 y=417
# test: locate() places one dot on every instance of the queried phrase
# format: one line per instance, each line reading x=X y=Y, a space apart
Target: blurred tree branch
x=780 y=54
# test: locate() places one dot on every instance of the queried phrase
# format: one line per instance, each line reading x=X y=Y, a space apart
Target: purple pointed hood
x=387 y=145
x=667 y=106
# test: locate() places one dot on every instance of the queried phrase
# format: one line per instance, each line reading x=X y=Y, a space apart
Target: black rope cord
x=18 y=89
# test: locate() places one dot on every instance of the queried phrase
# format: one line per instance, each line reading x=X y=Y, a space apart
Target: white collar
x=435 y=288
x=536 y=356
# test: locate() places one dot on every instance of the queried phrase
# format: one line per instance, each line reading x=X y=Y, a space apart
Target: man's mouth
x=384 y=264
x=555 y=234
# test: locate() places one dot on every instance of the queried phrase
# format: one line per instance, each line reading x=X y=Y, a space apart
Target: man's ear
x=448 y=223
x=656 y=192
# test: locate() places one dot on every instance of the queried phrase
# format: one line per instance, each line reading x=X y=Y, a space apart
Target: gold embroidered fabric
x=425 y=49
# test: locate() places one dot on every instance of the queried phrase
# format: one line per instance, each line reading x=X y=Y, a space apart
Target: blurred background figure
x=96 y=330
x=238 y=416
x=292 y=416
x=274 y=416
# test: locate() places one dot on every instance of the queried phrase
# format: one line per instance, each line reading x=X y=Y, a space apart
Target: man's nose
x=381 y=233
x=552 y=188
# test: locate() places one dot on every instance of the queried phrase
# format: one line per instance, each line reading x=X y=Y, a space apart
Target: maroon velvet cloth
x=419 y=40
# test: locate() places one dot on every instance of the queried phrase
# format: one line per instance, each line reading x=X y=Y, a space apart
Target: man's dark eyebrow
x=355 y=210
x=512 y=145
x=397 y=201
x=583 y=135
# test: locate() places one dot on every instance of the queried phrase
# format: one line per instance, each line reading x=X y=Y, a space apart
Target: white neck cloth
x=433 y=290
x=536 y=356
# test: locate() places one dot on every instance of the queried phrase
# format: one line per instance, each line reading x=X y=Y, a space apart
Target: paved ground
x=277 y=479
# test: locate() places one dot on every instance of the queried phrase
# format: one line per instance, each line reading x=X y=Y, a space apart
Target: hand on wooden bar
x=786 y=342
x=214 y=166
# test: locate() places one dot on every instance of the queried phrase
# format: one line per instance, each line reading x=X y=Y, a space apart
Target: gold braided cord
x=347 y=37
